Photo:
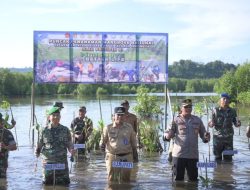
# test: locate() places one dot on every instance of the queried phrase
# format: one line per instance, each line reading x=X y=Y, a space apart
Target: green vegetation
x=148 y=111
x=95 y=137
x=184 y=76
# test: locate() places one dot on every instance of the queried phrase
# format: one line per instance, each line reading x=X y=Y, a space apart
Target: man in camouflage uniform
x=223 y=118
x=53 y=145
x=248 y=131
x=6 y=124
x=81 y=128
x=185 y=130
x=119 y=142
x=7 y=143
x=132 y=120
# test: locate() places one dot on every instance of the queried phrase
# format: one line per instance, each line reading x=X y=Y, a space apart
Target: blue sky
x=200 y=30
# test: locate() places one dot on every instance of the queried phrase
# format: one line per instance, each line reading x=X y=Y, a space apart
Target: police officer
x=81 y=128
x=7 y=143
x=132 y=120
x=119 y=142
x=223 y=118
x=186 y=128
x=53 y=145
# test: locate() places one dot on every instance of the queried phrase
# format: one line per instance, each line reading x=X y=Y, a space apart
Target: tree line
x=184 y=76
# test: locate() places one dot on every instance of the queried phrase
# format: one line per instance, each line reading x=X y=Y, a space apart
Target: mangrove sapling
x=95 y=137
x=148 y=111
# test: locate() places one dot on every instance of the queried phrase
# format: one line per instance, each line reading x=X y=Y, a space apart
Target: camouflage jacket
x=82 y=126
x=54 y=143
x=7 y=138
x=223 y=120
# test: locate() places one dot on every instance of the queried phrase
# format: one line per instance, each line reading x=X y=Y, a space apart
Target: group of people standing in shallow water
x=119 y=140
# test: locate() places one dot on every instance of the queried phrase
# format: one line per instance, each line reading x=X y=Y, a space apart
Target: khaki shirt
x=186 y=131
x=119 y=140
x=132 y=120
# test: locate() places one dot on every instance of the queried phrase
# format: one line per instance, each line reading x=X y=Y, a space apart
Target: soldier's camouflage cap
x=186 y=102
x=53 y=110
x=119 y=110
x=125 y=102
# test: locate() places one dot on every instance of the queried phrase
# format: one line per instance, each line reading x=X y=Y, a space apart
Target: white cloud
x=66 y=6
x=210 y=24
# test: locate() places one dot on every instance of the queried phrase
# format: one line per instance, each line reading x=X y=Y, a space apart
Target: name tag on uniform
x=117 y=164
x=230 y=152
x=54 y=166
x=77 y=146
x=206 y=164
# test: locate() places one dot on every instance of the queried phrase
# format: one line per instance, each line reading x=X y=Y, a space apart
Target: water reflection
x=226 y=178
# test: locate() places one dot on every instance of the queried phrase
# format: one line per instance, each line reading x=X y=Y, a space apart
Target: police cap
x=186 y=102
x=119 y=110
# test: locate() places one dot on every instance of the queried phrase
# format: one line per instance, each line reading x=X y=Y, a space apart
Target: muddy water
x=152 y=172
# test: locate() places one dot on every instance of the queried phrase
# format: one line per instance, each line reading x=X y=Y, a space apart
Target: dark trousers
x=182 y=164
x=220 y=144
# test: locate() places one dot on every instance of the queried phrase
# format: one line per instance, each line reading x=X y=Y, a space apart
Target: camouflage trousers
x=118 y=174
x=61 y=176
x=220 y=144
x=3 y=167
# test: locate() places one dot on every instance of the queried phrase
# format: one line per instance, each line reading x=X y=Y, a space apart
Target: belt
x=123 y=154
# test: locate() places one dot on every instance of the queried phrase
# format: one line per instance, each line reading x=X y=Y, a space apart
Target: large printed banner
x=100 y=57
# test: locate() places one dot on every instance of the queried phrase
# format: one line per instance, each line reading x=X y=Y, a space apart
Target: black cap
x=82 y=108
x=58 y=104
x=124 y=102
x=119 y=110
x=186 y=102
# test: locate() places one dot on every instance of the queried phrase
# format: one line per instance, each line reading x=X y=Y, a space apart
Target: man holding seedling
x=185 y=130
x=223 y=119
x=119 y=142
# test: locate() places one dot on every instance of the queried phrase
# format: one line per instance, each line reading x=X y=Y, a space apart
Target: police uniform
x=223 y=119
x=120 y=143
x=7 y=138
x=185 y=131
x=53 y=146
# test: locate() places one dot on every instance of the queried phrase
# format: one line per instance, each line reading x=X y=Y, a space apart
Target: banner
x=100 y=57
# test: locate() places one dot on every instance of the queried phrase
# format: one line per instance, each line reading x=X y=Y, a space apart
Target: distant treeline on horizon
x=184 y=76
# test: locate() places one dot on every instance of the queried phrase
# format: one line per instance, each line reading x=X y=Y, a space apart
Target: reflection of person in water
x=224 y=176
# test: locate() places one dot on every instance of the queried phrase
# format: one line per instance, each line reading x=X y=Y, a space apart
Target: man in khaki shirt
x=132 y=120
x=186 y=128
x=119 y=141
